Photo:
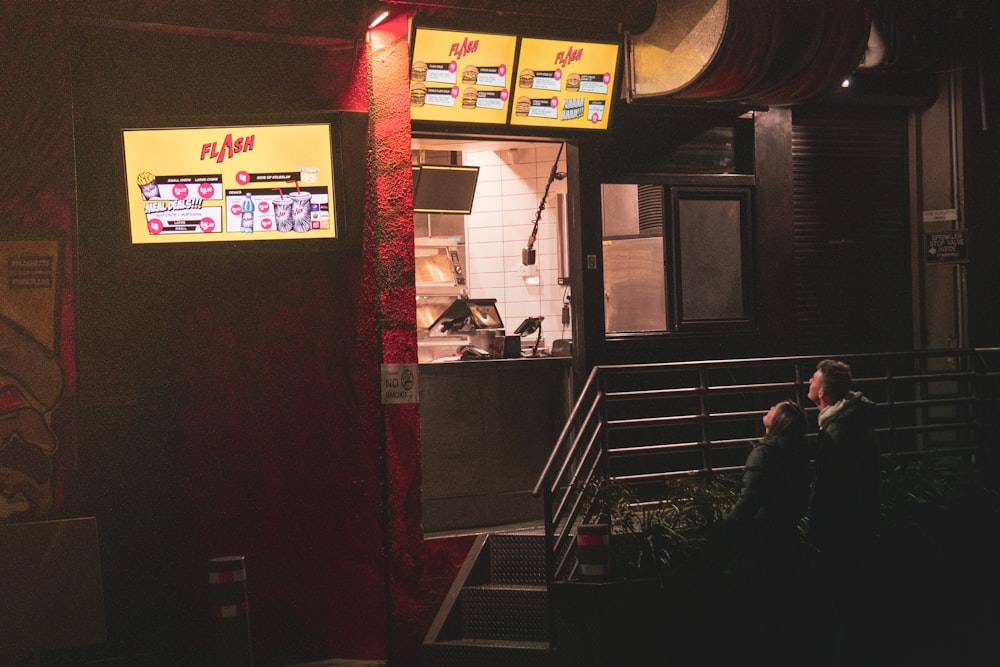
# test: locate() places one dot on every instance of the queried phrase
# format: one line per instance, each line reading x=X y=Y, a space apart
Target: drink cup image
x=148 y=186
x=283 y=214
x=301 y=211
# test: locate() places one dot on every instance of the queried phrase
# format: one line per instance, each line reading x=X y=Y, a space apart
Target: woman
x=773 y=498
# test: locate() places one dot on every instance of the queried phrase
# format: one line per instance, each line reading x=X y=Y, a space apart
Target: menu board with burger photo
x=460 y=76
x=564 y=84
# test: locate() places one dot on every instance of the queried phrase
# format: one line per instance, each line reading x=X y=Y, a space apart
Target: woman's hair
x=789 y=420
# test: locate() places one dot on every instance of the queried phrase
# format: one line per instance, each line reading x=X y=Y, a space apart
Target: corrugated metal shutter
x=852 y=265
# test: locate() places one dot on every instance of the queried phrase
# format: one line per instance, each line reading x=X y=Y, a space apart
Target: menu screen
x=564 y=84
x=460 y=76
x=239 y=183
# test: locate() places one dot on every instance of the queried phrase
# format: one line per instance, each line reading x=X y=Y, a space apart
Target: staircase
x=497 y=611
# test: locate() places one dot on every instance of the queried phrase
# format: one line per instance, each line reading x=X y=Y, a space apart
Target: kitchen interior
x=511 y=271
x=494 y=323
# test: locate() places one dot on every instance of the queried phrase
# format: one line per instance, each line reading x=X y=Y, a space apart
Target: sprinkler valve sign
x=947 y=246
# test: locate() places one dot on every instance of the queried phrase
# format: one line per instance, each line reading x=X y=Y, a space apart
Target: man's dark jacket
x=844 y=508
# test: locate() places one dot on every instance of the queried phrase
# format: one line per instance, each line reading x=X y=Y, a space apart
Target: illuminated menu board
x=239 y=183
x=564 y=84
x=460 y=76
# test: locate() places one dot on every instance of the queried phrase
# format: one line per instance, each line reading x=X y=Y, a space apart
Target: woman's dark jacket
x=774 y=494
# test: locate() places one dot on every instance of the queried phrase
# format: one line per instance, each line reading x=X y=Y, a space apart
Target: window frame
x=680 y=321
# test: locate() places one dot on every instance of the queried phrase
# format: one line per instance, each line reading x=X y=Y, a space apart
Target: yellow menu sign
x=240 y=183
x=460 y=76
x=564 y=84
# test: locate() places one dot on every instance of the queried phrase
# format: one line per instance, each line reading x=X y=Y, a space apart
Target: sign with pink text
x=564 y=84
x=461 y=76
x=239 y=183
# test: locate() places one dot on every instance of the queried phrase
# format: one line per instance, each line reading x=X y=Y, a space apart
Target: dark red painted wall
x=244 y=415
x=413 y=598
x=36 y=179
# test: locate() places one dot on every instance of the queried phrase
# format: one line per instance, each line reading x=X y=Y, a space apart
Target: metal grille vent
x=650 y=209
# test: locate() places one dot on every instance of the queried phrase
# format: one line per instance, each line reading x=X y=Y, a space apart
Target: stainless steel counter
x=487 y=428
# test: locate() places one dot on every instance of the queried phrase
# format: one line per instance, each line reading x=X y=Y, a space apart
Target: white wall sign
x=399 y=383
x=941 y=215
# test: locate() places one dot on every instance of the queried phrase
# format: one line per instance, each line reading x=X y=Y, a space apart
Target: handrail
x=641 y=424
x=567 y=428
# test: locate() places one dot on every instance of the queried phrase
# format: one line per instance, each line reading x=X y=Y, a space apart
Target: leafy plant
x=935 y=502
x=655 y=538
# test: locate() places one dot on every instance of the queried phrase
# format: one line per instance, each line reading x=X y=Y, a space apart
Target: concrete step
x=487 y=653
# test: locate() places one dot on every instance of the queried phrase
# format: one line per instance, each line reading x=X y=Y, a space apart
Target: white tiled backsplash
x=509 y=191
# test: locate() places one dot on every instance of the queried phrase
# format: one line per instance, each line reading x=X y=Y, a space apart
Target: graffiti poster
x=31 y=377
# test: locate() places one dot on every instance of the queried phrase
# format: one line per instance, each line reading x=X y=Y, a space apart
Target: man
x=844 y=507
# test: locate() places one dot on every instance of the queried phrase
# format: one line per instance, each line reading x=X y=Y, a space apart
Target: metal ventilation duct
x=773 y=52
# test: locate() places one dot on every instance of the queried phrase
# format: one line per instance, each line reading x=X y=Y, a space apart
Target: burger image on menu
x=418 y=95
x=526 y=79
x=522 y=106
x=470 y=74
x=418 y=71
x=470 y=98
x=573 y=82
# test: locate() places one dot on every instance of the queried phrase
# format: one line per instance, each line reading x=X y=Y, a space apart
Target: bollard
x=593 y=550
x=227 y=578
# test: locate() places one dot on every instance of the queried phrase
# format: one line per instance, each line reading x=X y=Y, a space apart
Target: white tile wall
x=509 y=191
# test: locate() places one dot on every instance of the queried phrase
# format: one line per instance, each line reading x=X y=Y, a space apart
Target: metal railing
x=640 y=424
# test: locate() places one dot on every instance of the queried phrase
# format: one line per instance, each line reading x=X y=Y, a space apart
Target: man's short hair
x=836 y=378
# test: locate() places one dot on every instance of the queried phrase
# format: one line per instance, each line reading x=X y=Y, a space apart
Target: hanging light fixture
x=378 y=15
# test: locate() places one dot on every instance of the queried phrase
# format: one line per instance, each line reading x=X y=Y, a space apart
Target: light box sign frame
x=485 y=78
x=461 y=76
x=565 y=84
x=192 y=184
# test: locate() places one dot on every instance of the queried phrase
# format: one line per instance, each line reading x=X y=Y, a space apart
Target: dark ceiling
x=302 y=21
x=914 y=28
x=916 y=32
x=332 y=21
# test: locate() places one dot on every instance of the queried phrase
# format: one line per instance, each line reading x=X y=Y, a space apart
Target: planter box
x=607 y=622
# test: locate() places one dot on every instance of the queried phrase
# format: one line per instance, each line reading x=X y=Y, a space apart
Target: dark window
x=676 y=258
x=709 y=271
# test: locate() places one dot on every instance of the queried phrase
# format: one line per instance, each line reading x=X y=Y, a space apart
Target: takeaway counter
x=487 y=428
x=491 y=403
